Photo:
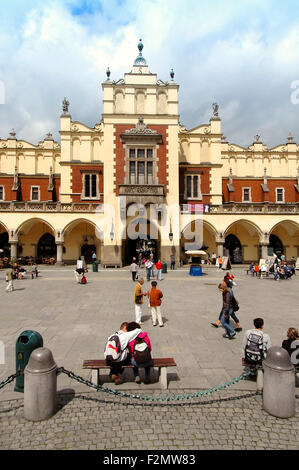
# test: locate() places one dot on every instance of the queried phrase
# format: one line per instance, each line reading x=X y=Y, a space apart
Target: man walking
x=148 y=266
x=138 y=301
x=9 y=277
x=155 y=296
x=172 y=262
x=134 y=269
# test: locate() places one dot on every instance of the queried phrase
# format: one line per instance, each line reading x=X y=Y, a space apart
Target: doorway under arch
x=142 y=244
x=234 y=248
x=275 y=245
x=46 y=247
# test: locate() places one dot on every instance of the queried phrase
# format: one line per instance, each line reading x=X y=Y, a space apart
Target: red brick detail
x=257 y=193
x=76 y=181
x=205 y=183
x=119 y=155
x=24 y=191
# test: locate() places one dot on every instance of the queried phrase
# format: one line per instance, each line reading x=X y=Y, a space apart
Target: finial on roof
x=140 y=60
x=65 y=106
x=108 y=73
x=172 y=74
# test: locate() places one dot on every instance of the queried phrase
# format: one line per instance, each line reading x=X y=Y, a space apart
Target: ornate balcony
x=16 y=206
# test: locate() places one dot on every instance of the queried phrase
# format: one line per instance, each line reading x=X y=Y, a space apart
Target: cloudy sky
x=243 y=55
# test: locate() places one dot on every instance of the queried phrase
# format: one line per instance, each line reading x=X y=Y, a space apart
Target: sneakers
x=229 y=336
x=137 y=379
x=116 y=379
x=154 y=324
x=161 y=326
x=238 y=329
x=214 y=324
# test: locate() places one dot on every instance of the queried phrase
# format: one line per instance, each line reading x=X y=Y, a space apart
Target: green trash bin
x=95 y=267
x=26 y=343
x=164 y=267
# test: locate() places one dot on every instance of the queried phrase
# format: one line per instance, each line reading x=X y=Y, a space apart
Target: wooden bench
x=259 y=370
x=161 y=363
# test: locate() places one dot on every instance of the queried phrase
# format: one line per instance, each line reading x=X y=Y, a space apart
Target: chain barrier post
x=40 y=388
x=279 y=383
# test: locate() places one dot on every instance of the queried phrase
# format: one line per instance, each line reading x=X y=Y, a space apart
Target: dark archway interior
x=234 y=248
x=275 y=245
x=46 y=247
x=4 y=245
x=87 y=251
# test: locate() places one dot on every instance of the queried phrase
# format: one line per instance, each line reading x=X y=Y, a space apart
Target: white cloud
x=243 y=55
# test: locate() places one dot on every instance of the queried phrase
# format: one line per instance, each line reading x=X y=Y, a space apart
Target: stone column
x=220 y=240
x=264 y=243
x=13 y=249
x=59 y=240
x=13 y=241
x=59 y=247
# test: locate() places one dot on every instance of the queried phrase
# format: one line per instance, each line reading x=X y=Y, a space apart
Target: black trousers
x=116 y=368
x=134 y=275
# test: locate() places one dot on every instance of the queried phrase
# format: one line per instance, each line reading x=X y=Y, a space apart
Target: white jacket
x=125 y=338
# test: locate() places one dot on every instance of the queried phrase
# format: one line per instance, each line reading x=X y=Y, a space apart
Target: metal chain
x=151 y=398
x=11 y=378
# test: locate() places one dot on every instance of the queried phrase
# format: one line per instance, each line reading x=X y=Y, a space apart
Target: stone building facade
x=138 y=175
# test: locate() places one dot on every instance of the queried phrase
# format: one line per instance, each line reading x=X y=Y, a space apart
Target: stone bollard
x=279 y=383
x=40 y=386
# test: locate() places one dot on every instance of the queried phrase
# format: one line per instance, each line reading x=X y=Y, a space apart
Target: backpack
x=235 y=304
x=112 y=351
x=254 y=349
x=83 y=280
x=141 y=351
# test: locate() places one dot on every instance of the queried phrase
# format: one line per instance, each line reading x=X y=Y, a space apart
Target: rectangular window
x=34 y=193
x=246 y=195
x=90 y=186
x=87 y=186
x=93 y=185
x=149 y=172
x=1 y=193
x=132 y=172
x=279 y=194
x=149 y=153
x=140 y=170
x=189 y=186
x=140 y=153
x=195 y=186
x=132 y=153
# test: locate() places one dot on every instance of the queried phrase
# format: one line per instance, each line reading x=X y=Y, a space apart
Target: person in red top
x=155 y=296
x=148 y=364
x=159 y=267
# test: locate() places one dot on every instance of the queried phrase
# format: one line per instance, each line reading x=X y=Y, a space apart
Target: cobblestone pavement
x=75 y=322
x=92 y=421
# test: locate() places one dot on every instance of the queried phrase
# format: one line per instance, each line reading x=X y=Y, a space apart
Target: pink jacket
x=146 y=339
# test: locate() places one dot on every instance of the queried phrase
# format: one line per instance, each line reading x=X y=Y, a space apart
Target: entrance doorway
x=46 y=247
x=140 y=248
x=86 y=251
x=4 y=245
x=234 y=248
x=275 y=246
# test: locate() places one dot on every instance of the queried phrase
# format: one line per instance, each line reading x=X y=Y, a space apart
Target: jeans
x=148 y=274
x=159 y=274
x=225 y=323
x=147 y=368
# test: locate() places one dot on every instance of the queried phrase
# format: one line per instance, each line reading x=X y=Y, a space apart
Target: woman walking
x=227 y=310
